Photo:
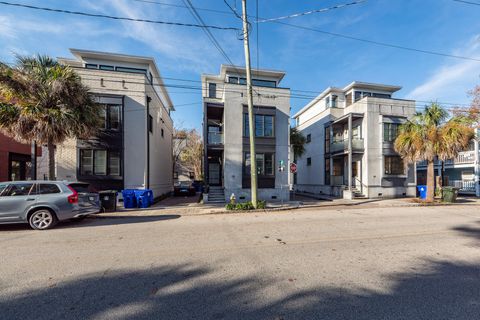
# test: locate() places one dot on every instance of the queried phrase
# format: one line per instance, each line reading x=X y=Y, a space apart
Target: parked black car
x=184 y=188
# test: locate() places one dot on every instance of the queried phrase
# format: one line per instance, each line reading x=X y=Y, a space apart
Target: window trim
x=246 y=132
x=107 y=160
x=246 y=168
x=391 y=172
x=212 y=90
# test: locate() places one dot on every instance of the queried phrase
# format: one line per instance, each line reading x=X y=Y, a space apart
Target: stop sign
x=293 y=167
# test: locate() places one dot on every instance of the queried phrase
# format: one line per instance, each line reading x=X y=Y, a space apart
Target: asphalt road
x=394 y=263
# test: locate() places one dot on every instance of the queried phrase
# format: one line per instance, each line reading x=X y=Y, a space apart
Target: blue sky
x=312 y=61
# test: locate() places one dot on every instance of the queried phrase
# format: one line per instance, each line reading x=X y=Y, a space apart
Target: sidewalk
x=191 y=207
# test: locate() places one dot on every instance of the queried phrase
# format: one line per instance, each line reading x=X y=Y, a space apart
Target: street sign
x=293 y=167
x=281 y=166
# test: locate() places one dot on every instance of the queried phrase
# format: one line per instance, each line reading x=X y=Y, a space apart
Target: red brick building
x=15 y=159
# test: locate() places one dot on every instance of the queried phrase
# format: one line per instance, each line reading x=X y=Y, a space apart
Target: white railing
x=463 y=185
x=465 y=157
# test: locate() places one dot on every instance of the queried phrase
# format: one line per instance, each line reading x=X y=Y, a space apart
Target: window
x=19 y=189
x=390 y=131
x=264 y=83
x=327 y=102
x=100 y=162
x=309 y=138
x=131 y=70
x=327 y=171
x=86 y=162
x=233 y=80
x=150 y=77
x=334 y=101
x=48 y=188
x=91 y=66
x=309 y=161
x=212 y=90
x=394 y=165
x=356 y=132
x=150 y=123
x=327 y=140
x=265 y=164
x=358 y=95
x=110 y=116
x=114 y=163
x=107 y=68
x=381 y=95
x=264 y=125
x=161 y=132
x=114 y=117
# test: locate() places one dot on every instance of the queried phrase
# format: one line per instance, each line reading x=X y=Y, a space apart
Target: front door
x=214 y=172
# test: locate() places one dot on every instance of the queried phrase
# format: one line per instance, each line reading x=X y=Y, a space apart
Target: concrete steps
x=216 y=195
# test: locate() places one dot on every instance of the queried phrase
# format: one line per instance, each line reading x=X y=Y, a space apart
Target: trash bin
x=144 y=198
x=129 y=199
x=449 y=194
x=422 y=190
x=108 y=200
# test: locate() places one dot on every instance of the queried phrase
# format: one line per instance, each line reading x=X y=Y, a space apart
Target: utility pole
x=251 y=127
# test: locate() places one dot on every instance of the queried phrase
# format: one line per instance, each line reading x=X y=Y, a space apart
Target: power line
x=232 y=9
x=295 y=15
x=114 y=17
x=468 y=2
x=339 y=35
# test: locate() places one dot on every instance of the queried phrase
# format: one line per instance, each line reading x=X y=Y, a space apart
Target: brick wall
x=8 y=145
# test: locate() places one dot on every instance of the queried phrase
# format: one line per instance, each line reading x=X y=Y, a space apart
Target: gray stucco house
x=225 y=129
x=350 y=133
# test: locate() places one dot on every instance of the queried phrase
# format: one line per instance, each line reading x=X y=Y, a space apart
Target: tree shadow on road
x=439 y=290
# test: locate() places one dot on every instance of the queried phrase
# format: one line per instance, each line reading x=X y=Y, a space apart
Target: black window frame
x=108 y=116
x=309 y=161
x=91 y=66
x=308 y=138
x=43 y=184
x=212 y=90
x=132 y=70
x=108 y=158
x=390 y=131
x=393 y=169
x=246 y=128
x=106 y=67
x=261 y=171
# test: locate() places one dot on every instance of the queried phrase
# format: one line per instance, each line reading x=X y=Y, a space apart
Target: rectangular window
x=269 y=164
x=20 y=189
x=334 y=101
x=309 y=138
x=91 y=66
x=327 y=139
x=86 y=162
x=242 y=81
x=131 y=70
x=356 y=132
x=114 y=117
x=260 y=158
x=48 y=188
x=107 y=68
x=264 y=83
x=390 y=131
x=100 y=162
x=327 y=171
x=103 y=117
x=265 y=164
x=114 y=163
x=358 y=95
x=150 y=123
x=212 y=90
x=327 y=102
x=264 y=125
x=394 y=165
x=309 y=161
x=233 y=80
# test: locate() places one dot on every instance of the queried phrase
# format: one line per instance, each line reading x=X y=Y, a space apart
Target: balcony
x=465 y=157
x=342 y=146
x=215 y=138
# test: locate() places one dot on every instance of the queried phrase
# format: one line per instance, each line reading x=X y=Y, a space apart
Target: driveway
x=375 y=263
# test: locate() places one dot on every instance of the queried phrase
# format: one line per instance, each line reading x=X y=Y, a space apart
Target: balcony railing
x=215 y=138
x=336 y=146
x=465 y=157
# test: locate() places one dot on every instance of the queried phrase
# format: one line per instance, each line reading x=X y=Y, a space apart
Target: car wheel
x=42 y=219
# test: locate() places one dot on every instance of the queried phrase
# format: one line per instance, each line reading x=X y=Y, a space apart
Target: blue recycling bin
x=422 y=190
x=144 y=198
x=129 y=199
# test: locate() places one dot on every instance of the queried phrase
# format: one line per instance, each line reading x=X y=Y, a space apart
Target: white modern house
x=226 y=138
x=134 y=146
x=349 y=152
x=463 y=172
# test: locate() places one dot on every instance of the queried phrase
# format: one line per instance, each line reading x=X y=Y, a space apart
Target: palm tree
x=428 y=135
x=297 y=141
x=43 y=101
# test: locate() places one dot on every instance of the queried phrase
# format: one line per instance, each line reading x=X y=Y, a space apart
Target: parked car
x=42 y=204
x=184 y=188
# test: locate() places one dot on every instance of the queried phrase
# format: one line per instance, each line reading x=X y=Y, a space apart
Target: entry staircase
x=216 y=195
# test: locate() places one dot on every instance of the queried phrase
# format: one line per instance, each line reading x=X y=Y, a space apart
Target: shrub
x=245 y=205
